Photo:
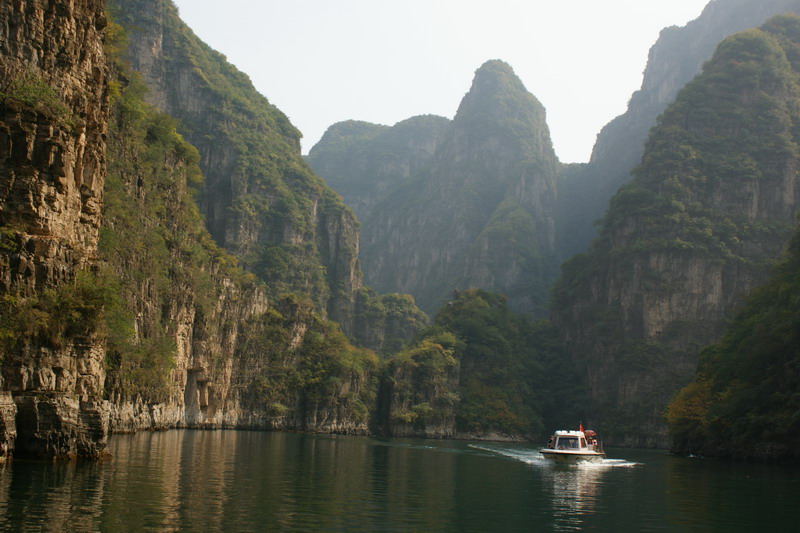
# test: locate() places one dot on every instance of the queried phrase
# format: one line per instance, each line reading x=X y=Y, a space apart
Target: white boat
x=572 y=447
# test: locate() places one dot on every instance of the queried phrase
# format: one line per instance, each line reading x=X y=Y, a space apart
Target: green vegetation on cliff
x=260 y=200
x=303 y=370
x=745 y=398
x=291 y=368
x=422 y=383
x=729 y=135
x=510 y=368
x=75 y=309
x=31 y=90
x=499 y=368
x=386 y=322
x=674 y=60
x=708 y=212
x=152 y=237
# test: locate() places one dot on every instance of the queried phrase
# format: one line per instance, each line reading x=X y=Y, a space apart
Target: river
x=255 y=481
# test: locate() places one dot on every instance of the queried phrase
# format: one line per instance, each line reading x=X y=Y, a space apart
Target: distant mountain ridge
x=366 y=163
x=475 y=209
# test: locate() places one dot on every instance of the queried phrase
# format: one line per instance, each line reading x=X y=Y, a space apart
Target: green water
x=252 y=481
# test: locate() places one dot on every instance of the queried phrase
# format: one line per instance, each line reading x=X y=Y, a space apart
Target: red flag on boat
x=581 y=426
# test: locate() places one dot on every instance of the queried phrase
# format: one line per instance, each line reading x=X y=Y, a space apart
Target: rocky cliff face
x=261 y=201
x=673 y=61
x=710 y=207
x=476 y=212
x=207 y=347
x=52 y=159
x=743 y=401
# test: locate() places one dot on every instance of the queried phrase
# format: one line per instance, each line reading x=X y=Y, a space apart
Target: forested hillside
x=708 y=212
x=676 y=58
x=481 y=371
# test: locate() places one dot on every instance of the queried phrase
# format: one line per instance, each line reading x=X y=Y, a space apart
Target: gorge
x=168 y=259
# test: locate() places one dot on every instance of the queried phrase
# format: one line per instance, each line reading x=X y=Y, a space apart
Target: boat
x=570 y=447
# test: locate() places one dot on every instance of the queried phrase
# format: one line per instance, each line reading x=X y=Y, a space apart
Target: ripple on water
x=533 y=457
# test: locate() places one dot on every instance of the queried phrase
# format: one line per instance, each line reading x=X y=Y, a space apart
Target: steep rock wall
x=206 y=348
x=710 y=208
x=261 y=201
x=52 y=161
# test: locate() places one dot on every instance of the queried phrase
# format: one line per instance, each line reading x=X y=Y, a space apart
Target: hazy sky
x=382 y=61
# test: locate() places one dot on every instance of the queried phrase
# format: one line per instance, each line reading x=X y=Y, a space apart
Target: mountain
x=708 y=212
x=120 y=312
x=458 y=205
x=261 y=201
x=673 y=61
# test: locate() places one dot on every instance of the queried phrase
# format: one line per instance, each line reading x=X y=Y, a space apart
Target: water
x=252 y=481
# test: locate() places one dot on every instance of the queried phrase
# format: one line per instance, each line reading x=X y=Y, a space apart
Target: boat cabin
x=573 y=447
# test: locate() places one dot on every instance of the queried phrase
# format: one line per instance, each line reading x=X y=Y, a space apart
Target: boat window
x=583 y=442
x=568 y=443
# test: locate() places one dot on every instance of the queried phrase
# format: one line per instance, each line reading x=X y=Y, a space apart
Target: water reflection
x=574 y=491
x=62 y=497
x=574 y=494
x=246 y=481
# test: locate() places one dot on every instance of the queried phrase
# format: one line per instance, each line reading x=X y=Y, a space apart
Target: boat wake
x=533 y=457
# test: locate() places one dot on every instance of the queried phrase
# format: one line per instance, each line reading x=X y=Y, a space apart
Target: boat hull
x=572 y=457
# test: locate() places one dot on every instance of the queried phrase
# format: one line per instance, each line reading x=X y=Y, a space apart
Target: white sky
x=383 y=61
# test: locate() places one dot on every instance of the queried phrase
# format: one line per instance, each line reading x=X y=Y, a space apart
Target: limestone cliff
x=419 y=394
x=193 y=340
x=53 y=118
x=743 y=402
x=710 y=207
x=260 y=200
x=474 y=205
